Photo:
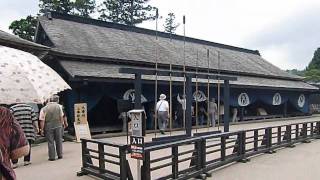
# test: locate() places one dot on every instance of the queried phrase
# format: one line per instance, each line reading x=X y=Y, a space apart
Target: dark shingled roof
x=99 y=42
x=103 y=70
x=13 y=41
x=109 y=41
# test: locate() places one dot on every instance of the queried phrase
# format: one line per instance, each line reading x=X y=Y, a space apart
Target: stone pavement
x=289 y=163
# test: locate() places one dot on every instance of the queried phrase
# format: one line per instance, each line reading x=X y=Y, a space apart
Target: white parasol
x=25 y=78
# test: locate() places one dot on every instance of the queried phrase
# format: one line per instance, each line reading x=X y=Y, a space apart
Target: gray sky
x=286 y=32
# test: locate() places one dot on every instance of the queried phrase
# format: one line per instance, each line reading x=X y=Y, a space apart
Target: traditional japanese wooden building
x=88 y=54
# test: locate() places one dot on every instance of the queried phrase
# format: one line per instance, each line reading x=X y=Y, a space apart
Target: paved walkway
x=286 y=164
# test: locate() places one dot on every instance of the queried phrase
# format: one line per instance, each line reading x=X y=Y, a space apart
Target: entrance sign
x=80 y=113
x=199 y=96
x=301 y=100
x=276 y=100
x=137 y=147
x=243 y=99
x=81 y=125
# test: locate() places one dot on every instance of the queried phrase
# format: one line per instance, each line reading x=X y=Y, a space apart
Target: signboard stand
x=137 y=139
x=81 y=125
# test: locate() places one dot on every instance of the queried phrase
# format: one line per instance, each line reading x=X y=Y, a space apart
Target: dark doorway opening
x=104 y=116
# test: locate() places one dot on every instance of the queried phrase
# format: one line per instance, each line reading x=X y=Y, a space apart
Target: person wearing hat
x=162 y=110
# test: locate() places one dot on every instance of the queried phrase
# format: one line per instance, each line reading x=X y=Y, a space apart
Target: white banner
x=276 y=100
x=243 y=99
x=130 y=95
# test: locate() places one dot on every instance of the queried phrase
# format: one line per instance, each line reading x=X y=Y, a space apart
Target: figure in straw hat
x=162 y=109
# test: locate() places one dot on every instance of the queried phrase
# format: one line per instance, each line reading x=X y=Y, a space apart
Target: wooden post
x=226 y=118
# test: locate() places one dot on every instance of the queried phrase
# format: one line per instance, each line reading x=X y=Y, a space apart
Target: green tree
x=296 y=72
x=61 y=6
x=170 y=26
x=129 y=12
x=84 y=7
x=312 y=75
x=315 y=62
x=24 y=28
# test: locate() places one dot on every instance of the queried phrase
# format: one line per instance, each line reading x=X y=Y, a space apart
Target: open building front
x=89 y=53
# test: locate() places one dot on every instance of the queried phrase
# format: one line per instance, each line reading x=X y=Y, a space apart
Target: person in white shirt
x=162 y=110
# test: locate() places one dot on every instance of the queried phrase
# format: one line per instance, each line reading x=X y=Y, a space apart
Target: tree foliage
x=129 y=12
x=312 y=73
x=315 y=61
x=61 y=6
x=170 y=26
x=24 y=28
x=84 y=7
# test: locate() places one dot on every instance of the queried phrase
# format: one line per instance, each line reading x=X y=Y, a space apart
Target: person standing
x=212 y=112
x=181 y=109
x=202 y=114
x=13 y=143
x=51 y=124
x=162 y=108
x=27 y=119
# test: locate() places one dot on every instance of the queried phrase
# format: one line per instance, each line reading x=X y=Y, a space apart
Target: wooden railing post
x=84 y=151
x=101 y=157
x=123 y=162
x=146 y=164
x=223 y=148
x=279 y=135
x=175 y=157
x=256 y=139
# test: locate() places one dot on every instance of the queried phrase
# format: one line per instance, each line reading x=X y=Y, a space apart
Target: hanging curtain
x=273 y=98
x=300 y=101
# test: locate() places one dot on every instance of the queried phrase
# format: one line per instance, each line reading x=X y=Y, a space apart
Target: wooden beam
x=146 y=71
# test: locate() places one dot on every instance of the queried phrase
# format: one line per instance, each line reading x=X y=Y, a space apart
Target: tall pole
x=197 y=91
x=218 y=91
x=184 y=70
x=170 y=105
x=208 y=91
x=132 y=12
x=156 y=82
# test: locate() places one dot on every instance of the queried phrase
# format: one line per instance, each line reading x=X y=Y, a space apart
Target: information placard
x=137 y=147
x=80 y=113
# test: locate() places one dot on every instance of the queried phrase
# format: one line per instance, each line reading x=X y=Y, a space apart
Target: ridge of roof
x=106 y=24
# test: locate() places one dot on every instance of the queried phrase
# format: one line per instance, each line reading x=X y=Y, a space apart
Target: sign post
x=137 y=139
x=81 y=125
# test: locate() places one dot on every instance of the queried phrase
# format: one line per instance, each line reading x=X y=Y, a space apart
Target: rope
x=208 y=91
x=196 y=99
x=170 y=84
x=218 y=91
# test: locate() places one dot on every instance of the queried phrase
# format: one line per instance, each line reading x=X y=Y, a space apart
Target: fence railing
x=194 y=156
x=105 y=160
x=197 y=156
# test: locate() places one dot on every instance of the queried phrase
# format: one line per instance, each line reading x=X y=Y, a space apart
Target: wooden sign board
x=82 y=131
x=80 y=113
